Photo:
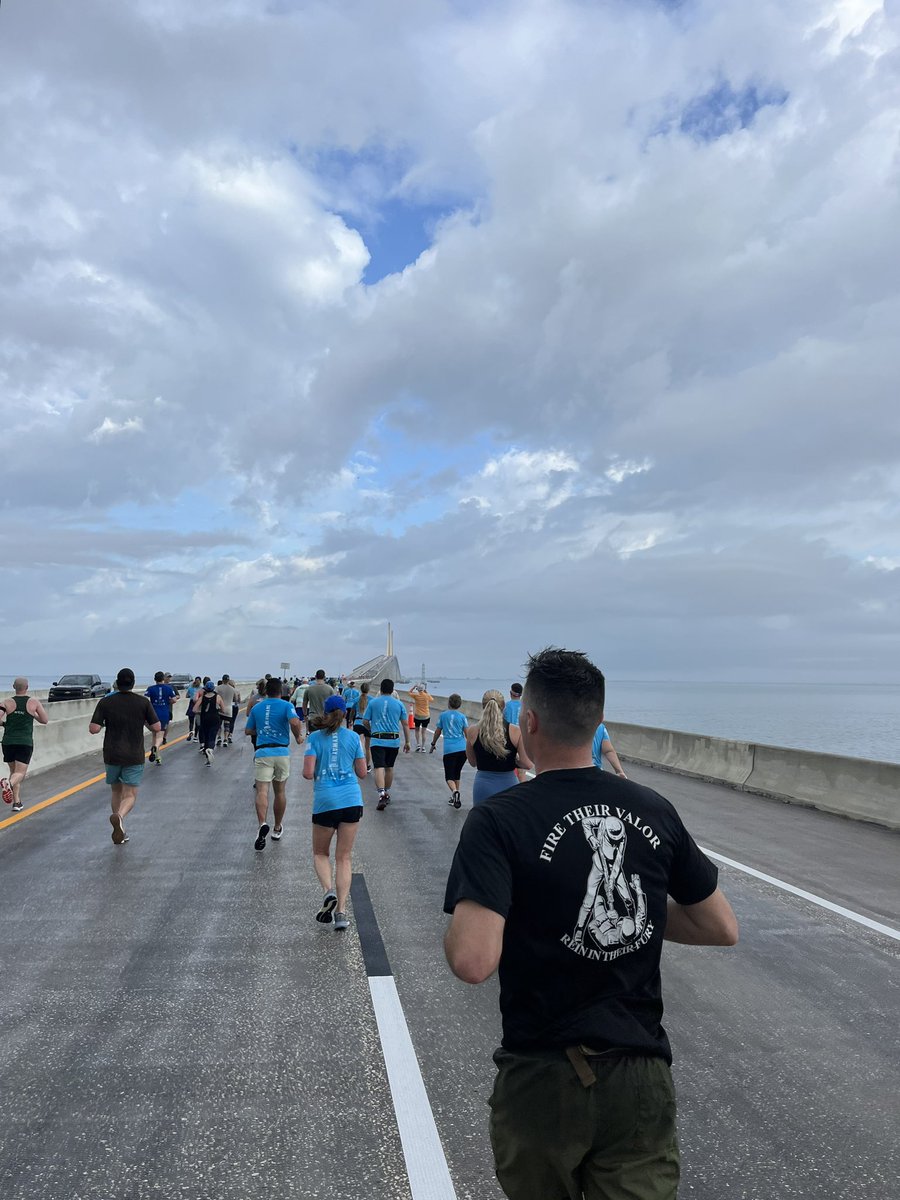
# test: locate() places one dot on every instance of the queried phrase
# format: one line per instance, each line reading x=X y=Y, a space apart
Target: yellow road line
x=79 y=787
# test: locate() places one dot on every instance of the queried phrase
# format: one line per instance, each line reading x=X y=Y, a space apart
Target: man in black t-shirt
x=124 y=716
x=570 y=883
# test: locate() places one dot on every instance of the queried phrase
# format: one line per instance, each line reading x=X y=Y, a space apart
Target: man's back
x=227 y=692
x=124 y=716
x=316 y=695
x=585 y=865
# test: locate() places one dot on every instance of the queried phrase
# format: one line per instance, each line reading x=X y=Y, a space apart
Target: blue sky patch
x=722 y=110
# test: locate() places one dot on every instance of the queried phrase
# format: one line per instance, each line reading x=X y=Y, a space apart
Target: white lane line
x=820 y=900
x=426 y=1164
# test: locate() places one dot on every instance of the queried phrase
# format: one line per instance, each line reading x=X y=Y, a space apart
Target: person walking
x=162 y=696
x=19 y=713
x=192 y=692
x=361 y=724
x=494 y=748
x=226 y=689
x=387 y=721
x=314 y=701
x=569 y=883
x=452 y=725
x=335 y=759
x=272 y=720
x=421 y=714
x=210 y=712
x=351 y=694
x=124 y=717
x=602 y=747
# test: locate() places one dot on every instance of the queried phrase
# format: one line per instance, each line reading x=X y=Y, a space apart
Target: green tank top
x=19 y=727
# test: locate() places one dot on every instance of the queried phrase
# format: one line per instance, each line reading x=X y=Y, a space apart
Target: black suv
x=78 y=687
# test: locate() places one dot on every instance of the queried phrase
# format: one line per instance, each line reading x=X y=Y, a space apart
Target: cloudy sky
x=567 y=321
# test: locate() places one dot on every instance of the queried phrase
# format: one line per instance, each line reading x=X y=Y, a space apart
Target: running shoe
x=209 y=757
x=118 y=829
x=6 y=788
x=152 y=754
x=260 y=843
x=17 y=806
x=165 y=741
x=277 y=832
x=457 y=803
x=329 y=904
x=340 y=922
x=158 y=759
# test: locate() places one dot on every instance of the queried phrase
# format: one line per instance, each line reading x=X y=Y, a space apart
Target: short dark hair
x=387 y=686
x=567 y=692
x=515 y=689
x=158 y=677
x=125 y=679
x=454 y=700
x=273 y=687
x=320 y=674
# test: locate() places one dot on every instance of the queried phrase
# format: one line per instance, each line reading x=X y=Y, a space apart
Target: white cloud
x=109 y=428
x=670 y=354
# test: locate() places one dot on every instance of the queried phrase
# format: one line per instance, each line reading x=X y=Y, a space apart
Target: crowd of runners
x=349 y=733
x=582 y=1033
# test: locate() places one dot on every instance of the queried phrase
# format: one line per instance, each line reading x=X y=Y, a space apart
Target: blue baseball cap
x=335 y=702
x=210 y=687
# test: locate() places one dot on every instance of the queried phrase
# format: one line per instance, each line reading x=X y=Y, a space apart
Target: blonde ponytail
x=491 y=729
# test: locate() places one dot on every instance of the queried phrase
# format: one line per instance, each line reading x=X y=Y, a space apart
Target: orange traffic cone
x=412 y=722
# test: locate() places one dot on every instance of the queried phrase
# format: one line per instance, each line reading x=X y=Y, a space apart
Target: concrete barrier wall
x=860 y=788
x=67 y=736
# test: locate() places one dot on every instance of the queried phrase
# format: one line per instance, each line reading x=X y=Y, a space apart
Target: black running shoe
x=457 y=803
x=329 y=904
x=260 y=843
x=152 y=754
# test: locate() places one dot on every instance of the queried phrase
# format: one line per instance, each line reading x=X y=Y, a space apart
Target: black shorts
x=338 y=816
x=422 y=722
x=384 y=756
x=454 y=763
x=13 y=753
x=362 y=730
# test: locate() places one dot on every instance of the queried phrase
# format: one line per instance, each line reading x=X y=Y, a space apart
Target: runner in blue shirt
x=273 y=720
x=513 y=706
x=335 y=759
x=602 y=748
x=351 y=696
x=162 y=696
x=452 y=724
x=387 y=720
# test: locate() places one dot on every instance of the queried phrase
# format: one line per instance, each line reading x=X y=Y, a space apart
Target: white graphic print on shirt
x=614 y=910
x=612 y=919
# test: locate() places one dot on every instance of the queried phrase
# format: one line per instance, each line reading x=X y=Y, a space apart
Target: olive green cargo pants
x=557 y=1136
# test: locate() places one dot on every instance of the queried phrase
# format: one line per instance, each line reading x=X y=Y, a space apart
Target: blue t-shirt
x=160 y=696
x=453 y=725
x=600 y=737
x=271 y=719
x=385 y=714
x=351 y=695
x=336 y=785
x=511 y=711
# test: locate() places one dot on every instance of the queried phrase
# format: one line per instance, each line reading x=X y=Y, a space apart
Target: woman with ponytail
x=494 y=748
x=335 y=759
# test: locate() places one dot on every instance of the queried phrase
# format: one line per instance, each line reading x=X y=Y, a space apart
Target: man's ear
x=530 y=722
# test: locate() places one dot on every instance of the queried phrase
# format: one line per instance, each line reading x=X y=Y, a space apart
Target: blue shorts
x=163 y=717
x=131 y=776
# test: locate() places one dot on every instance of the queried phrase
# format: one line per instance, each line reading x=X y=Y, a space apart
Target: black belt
x=377 y=734
x=272 y=745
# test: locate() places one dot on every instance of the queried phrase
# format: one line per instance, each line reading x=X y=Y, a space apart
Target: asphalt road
x=175 y=1024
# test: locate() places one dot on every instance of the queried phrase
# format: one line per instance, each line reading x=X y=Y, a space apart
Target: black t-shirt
x=125 y=717
x=580 y=864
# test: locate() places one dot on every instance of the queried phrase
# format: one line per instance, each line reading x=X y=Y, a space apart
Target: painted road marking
x=426 y=1163
x=79 y=787
x=795 y=891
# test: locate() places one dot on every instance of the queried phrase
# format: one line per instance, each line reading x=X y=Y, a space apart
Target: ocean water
x=860 y=720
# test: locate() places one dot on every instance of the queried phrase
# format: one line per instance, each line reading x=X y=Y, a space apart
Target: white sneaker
x=277 y=831
x=208 y=754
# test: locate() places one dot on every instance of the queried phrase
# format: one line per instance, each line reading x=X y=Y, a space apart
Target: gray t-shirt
x=316 y=695
x=227 y=692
